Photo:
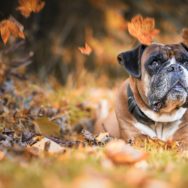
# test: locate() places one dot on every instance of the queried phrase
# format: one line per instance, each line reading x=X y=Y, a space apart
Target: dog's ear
x=131 y=60
x=185 y=46
x=184 y=35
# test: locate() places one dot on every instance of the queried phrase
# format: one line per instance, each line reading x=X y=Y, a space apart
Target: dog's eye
x=155 y=64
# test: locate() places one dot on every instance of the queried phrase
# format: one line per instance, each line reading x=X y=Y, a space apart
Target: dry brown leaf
x=10 y=27
x=185 y=36
x=48 y=145
x=103 y=138
x=121 y=153
x=26 y=7
x=143 y=29
x=46 y=127
x=86 y=50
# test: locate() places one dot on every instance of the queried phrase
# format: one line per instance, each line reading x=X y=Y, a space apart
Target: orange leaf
x=10 y=27
x=121 y=153
x=26 y=7
x=5 y=33
x=143 y=29
x=86 y=50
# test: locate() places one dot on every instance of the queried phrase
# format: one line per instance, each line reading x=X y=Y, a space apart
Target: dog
x=153 y=101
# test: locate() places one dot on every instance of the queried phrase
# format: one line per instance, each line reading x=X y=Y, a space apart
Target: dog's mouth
x=177 y=87
x=176 y=93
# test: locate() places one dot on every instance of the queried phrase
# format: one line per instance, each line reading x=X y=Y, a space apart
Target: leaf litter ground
x=46 y=140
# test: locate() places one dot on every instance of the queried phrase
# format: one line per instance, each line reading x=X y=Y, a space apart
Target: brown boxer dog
x=153 y=101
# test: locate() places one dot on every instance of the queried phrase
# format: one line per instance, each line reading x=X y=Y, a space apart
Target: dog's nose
x=175 y=67
x=120 y=58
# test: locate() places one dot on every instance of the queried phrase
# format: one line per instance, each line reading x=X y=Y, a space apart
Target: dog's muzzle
x=169 y=85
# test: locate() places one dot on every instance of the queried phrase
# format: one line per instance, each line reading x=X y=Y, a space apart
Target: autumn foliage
x=86 y=50
x=48 y=129
x=143 y=29
x=26 y=7
x=10 y=27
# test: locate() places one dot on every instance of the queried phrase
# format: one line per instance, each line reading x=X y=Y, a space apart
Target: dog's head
x=161 y=73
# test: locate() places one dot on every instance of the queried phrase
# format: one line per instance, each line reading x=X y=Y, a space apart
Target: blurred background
x=55 y=34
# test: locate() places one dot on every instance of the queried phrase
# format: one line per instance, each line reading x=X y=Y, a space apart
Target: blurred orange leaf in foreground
x=121 y=153
x=10 y=27
x=26 y=7
x=143 y=29
x=86 y=50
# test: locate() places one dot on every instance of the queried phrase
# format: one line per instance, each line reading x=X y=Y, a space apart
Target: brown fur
x=120 y=124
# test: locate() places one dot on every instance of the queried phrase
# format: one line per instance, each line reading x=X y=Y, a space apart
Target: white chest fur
x=162 y=131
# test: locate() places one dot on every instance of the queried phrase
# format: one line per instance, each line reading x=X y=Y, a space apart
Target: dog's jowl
x=153 y=101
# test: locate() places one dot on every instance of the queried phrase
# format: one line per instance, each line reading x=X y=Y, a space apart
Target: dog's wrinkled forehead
x=164 y=51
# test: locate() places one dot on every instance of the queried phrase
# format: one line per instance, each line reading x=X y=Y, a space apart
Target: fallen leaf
x=86 y=50
x=143 y=29
x=10 y=27
x=32 y=151
x=103 y=138
x=26 y=7
x=88 y=136
x=121 y=153
x=46 y=127
x=48 y=145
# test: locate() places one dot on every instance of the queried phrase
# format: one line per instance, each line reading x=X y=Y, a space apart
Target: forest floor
x=46 y=141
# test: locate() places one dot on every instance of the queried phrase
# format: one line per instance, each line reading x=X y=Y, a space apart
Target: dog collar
x=135 y=110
